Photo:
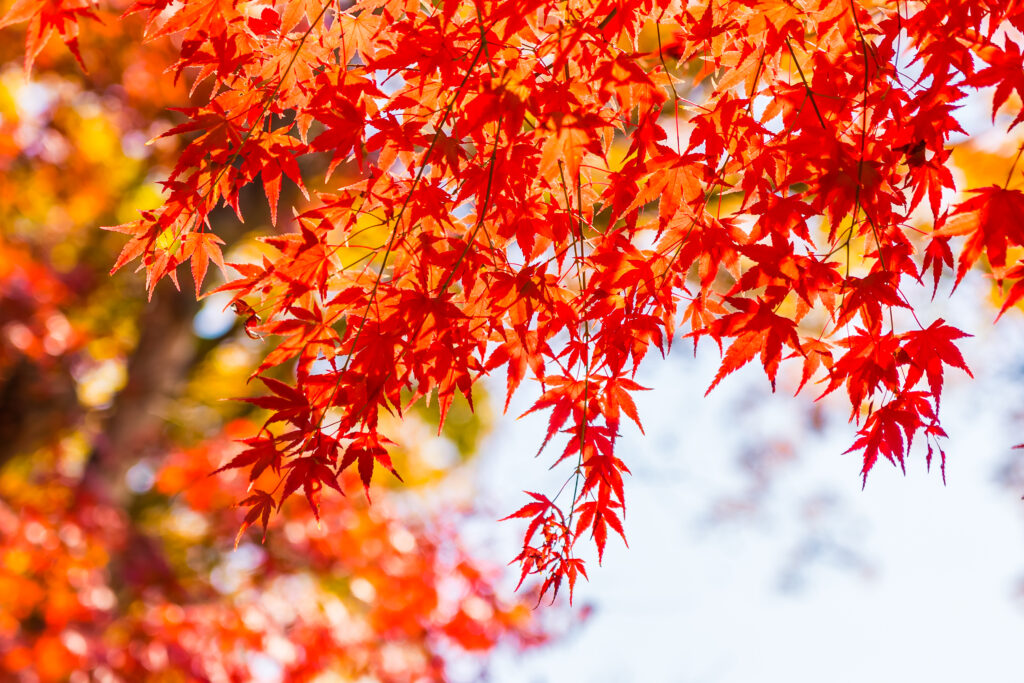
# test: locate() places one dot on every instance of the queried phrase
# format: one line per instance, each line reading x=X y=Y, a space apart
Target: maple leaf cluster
x=549 y=188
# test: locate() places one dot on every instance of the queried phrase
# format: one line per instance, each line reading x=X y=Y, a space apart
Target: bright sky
x=816 y=580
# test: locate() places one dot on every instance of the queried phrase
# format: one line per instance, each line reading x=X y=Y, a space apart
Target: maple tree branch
x=1013 y=167
x=472 y=238
x=807 y=86
x=481 y=216
x=863 y=146
x=483 y=39
x=668 y=74
x=267 y=103
x=580 y=273
x=607 y=19
x=405 y=204
x=586 y=357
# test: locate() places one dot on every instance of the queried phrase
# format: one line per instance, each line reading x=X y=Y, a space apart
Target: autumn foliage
x=547 y=190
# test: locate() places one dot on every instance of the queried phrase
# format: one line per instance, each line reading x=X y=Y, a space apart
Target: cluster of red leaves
x=46 y=19
x=489 y=136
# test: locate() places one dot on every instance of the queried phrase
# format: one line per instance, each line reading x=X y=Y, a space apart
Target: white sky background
x=817 y=580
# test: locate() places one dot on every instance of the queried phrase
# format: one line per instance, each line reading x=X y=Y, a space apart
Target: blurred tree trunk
x=157 y=372
x=35 y=404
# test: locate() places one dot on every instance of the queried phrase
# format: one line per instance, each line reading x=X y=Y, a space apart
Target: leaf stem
x=807 y=86
x=1016 y=159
